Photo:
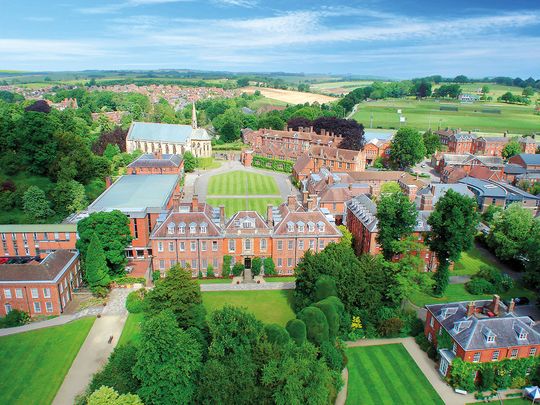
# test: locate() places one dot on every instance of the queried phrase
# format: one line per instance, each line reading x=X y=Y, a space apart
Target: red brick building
x=333 y=158
x=157 y=163
x=36 y=239
x=461 y=143
x=482 y=331
x=198 y=235
x=39 y=287
x=377 y=148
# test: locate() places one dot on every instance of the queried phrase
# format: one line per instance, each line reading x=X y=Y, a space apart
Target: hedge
x=272 y=164
x=129 y=280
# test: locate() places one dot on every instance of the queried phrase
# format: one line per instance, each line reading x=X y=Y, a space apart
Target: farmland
x=290 y=96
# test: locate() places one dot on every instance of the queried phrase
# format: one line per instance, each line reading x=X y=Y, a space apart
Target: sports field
x=233 y=205
x=242 y=183
x=35 y=363
x=387 y=374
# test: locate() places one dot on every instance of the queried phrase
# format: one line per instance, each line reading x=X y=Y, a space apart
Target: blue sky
x=398 y=38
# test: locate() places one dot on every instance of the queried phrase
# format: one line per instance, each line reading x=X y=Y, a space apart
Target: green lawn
x=242 y=183
x=233 y=205
x=280 y=279
x=516 y=119
x=214 y=281
x=207 y=163
x=270 y=306
x=131 y=330
x=457 y=292
x=387 y=375
x=35 y=363
x=471 y=261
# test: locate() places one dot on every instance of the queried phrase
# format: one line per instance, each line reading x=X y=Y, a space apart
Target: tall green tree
x=113 y=231
x=298 y=377
x=453 y=226
x=397 y=218
x=512 y=148
x=118 y=372
x=36 y=204
x=69 y=197
x=432 y=142
x=407 y=148
x=510 y=231
x=168 y=363
x=180 y=294
x=190 y=162
x=95 y=264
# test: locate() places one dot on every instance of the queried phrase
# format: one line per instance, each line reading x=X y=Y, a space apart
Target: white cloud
x=114 y=8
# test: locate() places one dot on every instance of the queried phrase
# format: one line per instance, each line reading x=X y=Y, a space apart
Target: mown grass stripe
x=366 y=370
x=390 y=378
x=353 y=396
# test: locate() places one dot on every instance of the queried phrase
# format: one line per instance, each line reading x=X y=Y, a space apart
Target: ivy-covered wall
x=508 y=373
x=272 y=164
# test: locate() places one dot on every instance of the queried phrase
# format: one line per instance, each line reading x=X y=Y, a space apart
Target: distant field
x=422 y=114
x=260 y=102
x=495 y=90
x=339 y=87
x=387 y=374
x=35 y=363
x=233 y=205
x=290 y=96
x=241 y=183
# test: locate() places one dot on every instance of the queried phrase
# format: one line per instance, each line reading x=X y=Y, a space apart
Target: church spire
x=194 y=117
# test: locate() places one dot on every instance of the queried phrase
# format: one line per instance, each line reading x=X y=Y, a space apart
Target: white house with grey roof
x=150 y=137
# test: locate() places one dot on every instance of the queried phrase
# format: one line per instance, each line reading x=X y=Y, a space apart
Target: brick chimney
x=511 y=306
x=108 y=181
x=269 y=215
x=426 y=202
x=300 y=129
x=312 y=202
x=158 y=154
x=291 y=202
x=195 y=203
x=311 y=129
x=222 y=215
x=175 y=202
x=304 y=197
x=495 y=304
x=323 y=131
x=471 y=309
x=330 y=179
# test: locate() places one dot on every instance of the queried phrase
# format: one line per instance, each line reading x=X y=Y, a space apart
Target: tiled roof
x=298 y=214
x=184 y=219
x=334 y=153
x=303 y=162
x=246 y=222
x=49 y=269
x=472 y=330
x=530 y=158
x=155 y=132
x=151 y=160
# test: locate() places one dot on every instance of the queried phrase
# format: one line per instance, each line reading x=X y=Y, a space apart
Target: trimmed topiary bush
x=238 y=269
x=210 y=271
x=256 y=266
x=269 y=267
x=325 y=286
x=479 y=286
x=276 y=334
x=316 y=325
x=332 y=317
x=297 y=331
x=14 y=318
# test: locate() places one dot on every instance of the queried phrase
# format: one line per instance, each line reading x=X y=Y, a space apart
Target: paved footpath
x=248 y=286
x=96 y=349
x=426 y=365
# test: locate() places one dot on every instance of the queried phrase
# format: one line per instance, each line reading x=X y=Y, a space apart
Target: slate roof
x=530 y=159
x=299 y=214
x=137 y=193
x=474 y=328
x=179 y=219
x=50 y=268
x=439 y=189
x=151 y=160
x=247 y=222
x=511 y=168
x=156 y=132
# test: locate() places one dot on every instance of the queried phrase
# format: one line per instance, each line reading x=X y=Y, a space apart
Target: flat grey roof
x=137 y=193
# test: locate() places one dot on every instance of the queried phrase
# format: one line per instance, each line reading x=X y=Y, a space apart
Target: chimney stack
x=511 y=306
x=222 y=215
x=426 y=202
x=495 y=304
x=304 y=197
x=291 y=202
x=300 y=129
x=471 y=309
x=323 y=131
x=195 y=203
x=176 y=202
x=312 y=202
x=108 y=182
x=311 y=129
x=269 y=215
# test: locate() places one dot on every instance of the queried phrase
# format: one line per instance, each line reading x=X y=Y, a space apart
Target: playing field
x=423 y=114
x=387 y=374
x=233 y=205
x=240 y=183
x=35 y=363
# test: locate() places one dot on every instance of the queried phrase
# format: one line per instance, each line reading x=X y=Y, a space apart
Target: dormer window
x=300 y=226
x=182 y=228
x=170 y=228
x=290 y=227
x=311 y=226
x=203 y=228
x=320 y=226
x=489 y=336
x=520 y=332
x=192 y=227
x=248 y=223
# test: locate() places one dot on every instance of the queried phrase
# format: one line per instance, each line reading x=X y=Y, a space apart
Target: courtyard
x=387 y=374
x=239 y=188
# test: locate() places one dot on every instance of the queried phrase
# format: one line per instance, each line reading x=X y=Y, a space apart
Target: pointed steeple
x=194 y=117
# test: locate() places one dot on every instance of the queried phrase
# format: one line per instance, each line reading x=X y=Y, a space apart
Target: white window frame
x=232 y=245
x=290 y=244
x=34 y=292
x=263 y=245
x=476 y=357
x=46 y=293
x=160 y=246
x=215 y=246
x=182 y=246
x=48 y=306
x=18 y=293
x=279 y=245
x=171 y=246
x=532 y=351
x=7 y=293
x=495 y=355
x=514 y=353
x=37 y=307
x=203 y=246
x=193 y=246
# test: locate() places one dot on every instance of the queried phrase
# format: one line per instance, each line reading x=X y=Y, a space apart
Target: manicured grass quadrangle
x=233 y=205
x=387 y=374
x=242 y=183
x=34 y=364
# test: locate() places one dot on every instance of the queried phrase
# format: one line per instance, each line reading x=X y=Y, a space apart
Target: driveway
x=96 y=348
x=434 y=176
